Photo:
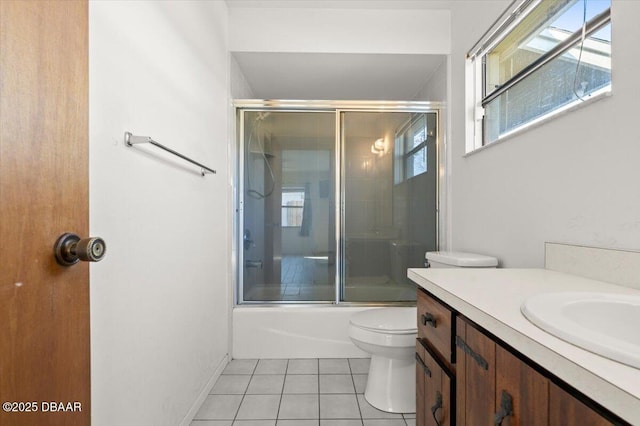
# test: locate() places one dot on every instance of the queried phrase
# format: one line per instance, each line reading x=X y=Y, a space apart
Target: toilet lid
x=387 y=320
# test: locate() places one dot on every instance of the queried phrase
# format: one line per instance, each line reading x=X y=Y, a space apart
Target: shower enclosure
x=334 y=201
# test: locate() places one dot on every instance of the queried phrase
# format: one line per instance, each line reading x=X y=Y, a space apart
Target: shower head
x=262 y=115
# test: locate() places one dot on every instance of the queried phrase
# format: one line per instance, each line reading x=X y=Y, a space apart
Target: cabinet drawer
x=434 y=325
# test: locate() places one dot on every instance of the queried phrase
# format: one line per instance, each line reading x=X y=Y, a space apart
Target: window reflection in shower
x=390 y=214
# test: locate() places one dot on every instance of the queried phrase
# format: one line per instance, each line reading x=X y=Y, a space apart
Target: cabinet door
x=522 y=393
x=434 y=390
x=566 y=410
x=420 y=379
x=475 y=372
x=437 y=394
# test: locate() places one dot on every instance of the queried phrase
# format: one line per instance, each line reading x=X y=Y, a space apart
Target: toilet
x=458 y=259
x=389 y=335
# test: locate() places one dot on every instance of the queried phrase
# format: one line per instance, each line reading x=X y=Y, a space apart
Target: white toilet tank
x=457 y=259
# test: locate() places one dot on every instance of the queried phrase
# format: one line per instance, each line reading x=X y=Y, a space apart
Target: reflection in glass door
x=389 y=195
x=335 y=218
x=288 y=205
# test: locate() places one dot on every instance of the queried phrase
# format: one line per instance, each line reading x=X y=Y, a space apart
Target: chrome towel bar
x=131 y=140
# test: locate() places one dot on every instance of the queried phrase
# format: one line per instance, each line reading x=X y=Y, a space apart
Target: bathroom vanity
x=479 y=361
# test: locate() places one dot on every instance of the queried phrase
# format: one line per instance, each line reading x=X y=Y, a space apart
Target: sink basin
x=603 y=323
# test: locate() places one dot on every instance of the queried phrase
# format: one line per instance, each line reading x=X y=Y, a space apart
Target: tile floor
x=294 y=392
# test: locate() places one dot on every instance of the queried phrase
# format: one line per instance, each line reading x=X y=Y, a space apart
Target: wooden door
x=44 y=307
x=523 y=389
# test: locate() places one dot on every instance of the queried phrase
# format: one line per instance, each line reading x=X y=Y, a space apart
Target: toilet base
x=391 y=385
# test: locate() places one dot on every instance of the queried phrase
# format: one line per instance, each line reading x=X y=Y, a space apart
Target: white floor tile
x=302 y=366
x=219 y=407
x=336 y=383
x=301 y=383
x=299 y=407
x=339 y=407
x=295 y=392
x=340 y=422
x=334 y=366
x=211 y=423
x=231 y=384
x=271 y=366
x=259 y=407
x=267 y=384
x=240 y=366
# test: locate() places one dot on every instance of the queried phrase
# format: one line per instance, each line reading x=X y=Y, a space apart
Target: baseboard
x=205 y=392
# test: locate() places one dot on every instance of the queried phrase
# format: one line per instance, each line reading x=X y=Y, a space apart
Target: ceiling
x=336 y=76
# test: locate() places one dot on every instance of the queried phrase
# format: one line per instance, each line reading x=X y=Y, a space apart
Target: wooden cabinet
x=494 y=386
x=482 y=382
x=565 y=410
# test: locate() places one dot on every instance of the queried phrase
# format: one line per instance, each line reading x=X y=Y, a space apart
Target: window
x=411 y=147
x=292 y=206
x=539 y=59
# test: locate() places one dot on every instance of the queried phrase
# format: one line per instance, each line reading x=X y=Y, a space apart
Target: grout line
x=245 y=392
x=319 y=409
x=282 y=391
x=356 y=392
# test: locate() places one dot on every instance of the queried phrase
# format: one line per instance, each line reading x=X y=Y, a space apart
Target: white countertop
x=492 y=299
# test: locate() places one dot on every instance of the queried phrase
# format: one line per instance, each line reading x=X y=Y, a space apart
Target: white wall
x=435 y=89
x=240 y=88
x=327 y=30
x=160 y=299
x=573 y=179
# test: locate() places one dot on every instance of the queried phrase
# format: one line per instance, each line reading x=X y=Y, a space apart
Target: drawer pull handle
x=423 y=365
x=506 y=408
x=428 y=318
x=463 y=345
x=436 y=407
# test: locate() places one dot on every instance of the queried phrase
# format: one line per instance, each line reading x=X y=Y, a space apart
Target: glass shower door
x=288 y=207
x=390 y=202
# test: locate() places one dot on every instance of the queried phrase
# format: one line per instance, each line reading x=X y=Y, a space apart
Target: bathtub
x=293 y=332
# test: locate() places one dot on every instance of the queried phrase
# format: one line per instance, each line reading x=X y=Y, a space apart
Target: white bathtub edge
x=293 y=332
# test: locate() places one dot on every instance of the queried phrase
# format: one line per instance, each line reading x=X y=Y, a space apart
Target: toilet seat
x=386 y=320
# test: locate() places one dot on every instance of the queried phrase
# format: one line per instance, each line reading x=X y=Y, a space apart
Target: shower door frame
x=337 y=108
